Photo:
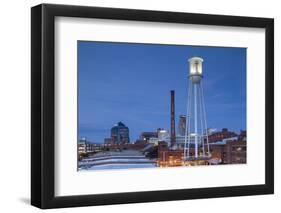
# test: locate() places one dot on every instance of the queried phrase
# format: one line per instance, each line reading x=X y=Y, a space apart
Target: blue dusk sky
x=131 y=83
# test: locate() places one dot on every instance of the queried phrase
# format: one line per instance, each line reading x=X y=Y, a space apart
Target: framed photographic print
x=139 y=106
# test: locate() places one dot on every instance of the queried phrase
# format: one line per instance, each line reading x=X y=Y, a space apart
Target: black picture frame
x=43 y=102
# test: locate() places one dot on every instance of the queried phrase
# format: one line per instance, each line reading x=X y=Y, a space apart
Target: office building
x=120 y=134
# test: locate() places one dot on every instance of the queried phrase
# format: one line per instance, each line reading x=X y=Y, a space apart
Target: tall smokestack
x=173 y=131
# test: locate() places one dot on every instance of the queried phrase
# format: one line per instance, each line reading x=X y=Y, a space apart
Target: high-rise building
x=120 y=134
x=182 y=124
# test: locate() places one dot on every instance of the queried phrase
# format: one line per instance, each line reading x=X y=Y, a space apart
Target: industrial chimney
x=173 y=131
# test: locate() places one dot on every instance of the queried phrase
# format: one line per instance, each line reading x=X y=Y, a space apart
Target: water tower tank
x=195 y=69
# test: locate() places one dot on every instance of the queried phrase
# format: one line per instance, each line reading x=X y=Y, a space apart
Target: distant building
x=153 y=140
x=218 y=136
x=85 y=146
x=147 y=135
x=182 y=125
x=242 y=136
x=162 y=134
x=120 y=134
x=108 y=141
x=154 y=137
x=139 y=144
x=211 y=131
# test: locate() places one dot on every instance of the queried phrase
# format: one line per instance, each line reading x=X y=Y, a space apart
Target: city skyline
x=131 y=83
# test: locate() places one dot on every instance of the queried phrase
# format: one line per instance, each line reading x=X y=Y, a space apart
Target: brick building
x=167 y=157
x=219 y=136
x=232 y=151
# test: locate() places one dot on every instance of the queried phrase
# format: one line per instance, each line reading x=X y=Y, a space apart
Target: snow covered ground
x=116 y=160
x=118 y=166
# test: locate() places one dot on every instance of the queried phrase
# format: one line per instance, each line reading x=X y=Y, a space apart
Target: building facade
x=230 y=151
x=233 y=152
x=85 y=147
x=108 y=141
x=167 y=157
x=220 y=135
x=147 y=135
x=162 y=134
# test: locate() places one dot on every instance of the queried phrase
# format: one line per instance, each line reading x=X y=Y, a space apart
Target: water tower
x=196 y=144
